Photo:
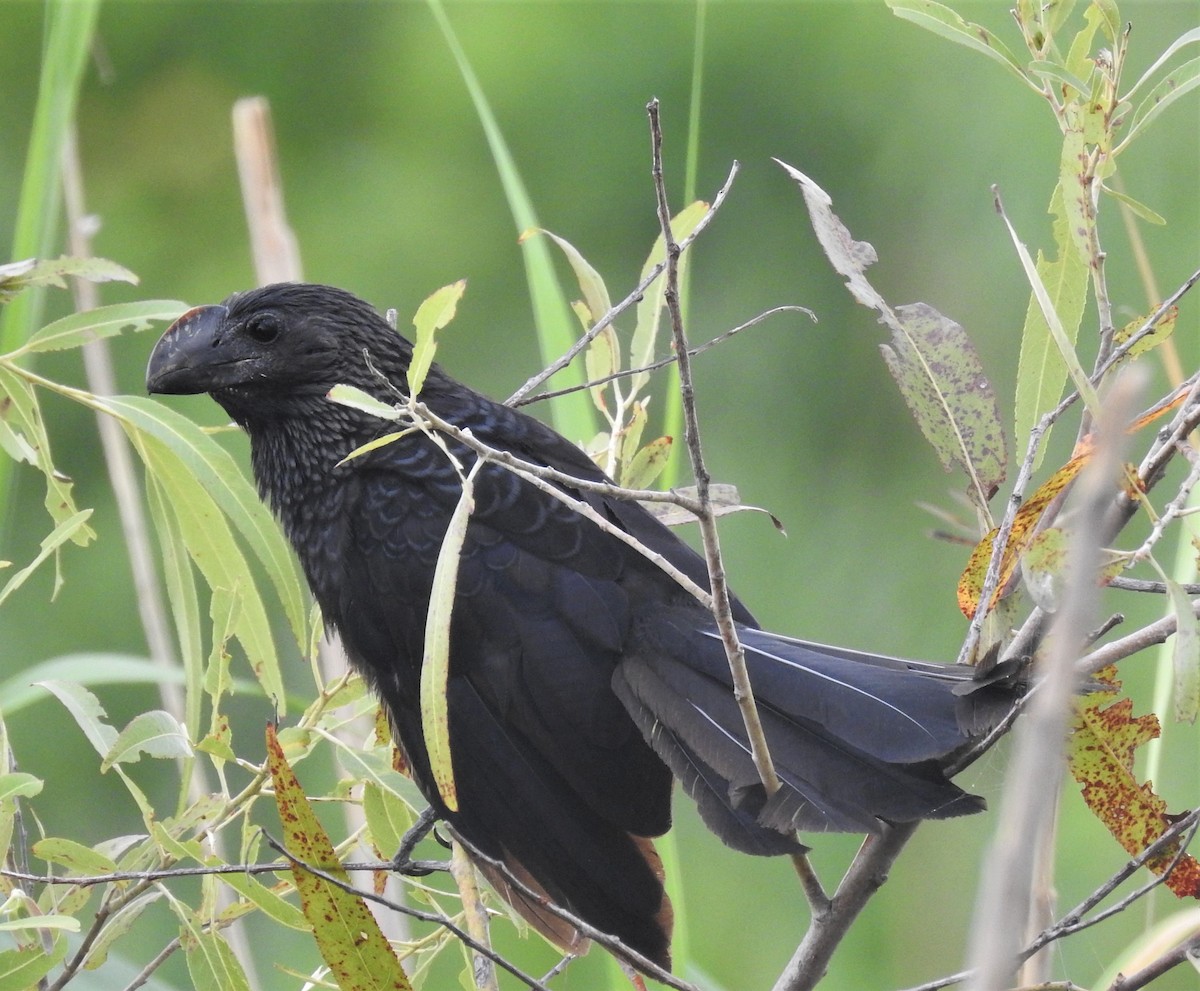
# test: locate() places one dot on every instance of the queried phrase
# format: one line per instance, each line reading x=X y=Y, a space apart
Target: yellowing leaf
x=1101 y=758
x=432 y=315
x=595 y=292
x=647 y=464
x=346 y=933
x=435 y=665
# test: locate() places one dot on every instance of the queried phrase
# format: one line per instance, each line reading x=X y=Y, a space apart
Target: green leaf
x=19 y=408
x=93 y=668
x=118 y=924
x=1055 y=325
x=1178 y=83
x=355 y=398
x=601 y=359
x=155 y=733
x=65 y=531
x=18 y=784
x=432 y=315
x=435 y=664
x=75 y=857
x=212 y=466
x=21 y=969
x=16 y=277
x=180 y=583
x=943 y=21
x=1042 y=373
x=388 y=818
x=267 y=901
x=49 y=921
x=210 y=962
x=87 y=711
x=1186 y=654
x=349 y=938
x=1138 y=209
x=105 y=321
x=595 y=292
x=647 y=464
x=211 y=546
x=644 y=342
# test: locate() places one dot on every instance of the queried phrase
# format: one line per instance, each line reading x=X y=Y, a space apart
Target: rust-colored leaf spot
x=1102 y=749
x=347 y=935
x=970 y=584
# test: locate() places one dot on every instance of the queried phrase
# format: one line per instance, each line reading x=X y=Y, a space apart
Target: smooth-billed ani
x=582 y=677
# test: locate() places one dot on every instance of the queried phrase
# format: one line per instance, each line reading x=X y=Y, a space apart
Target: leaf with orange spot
x=970 y=585
x=1103 y=744
x=347 y=935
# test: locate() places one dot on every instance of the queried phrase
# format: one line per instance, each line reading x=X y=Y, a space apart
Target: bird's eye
x=263 y=328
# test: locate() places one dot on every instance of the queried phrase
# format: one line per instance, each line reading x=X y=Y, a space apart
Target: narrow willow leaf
x=432 y=315
x=51 y=543
x=647 y=464
x=74 y=856
x=268 y=900
x=364 y=402
x=23 y=968
x=118 y=924
x=435 y=665
x=58 y=922
x=943 y=21
x=180 y=584
x=18 y=784
x=1058 y=332
x=374 y=445
x=347 y=935
x=1138 y=209
x=105 y=321
x=87 y=711
x=1041 y=371
x=19 y=408
x=1177 y=84
x=929 y=355
x=211 y=964
x=155 y=733
x=1187 y=38
x=210 y=544
x=1163 y=328
x=217 y=472
x=15 y=277
x=90 y=668
x=644 y=343
x=1185 y=655
x=388 y=818
x=601 y=359
x=591 y=284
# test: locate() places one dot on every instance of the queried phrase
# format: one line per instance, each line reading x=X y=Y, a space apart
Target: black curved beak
x=188 y=358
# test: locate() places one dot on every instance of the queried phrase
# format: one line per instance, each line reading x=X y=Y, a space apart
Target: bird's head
x=281 y=342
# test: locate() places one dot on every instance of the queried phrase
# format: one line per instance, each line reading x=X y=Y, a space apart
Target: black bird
x=581 y=676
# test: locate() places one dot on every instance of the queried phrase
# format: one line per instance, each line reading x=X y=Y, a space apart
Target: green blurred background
x=392 y=193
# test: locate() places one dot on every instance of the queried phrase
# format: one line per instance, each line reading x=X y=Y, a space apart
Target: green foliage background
x=392 y=193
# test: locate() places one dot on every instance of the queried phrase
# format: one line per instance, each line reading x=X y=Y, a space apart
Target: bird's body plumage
x=582 y=677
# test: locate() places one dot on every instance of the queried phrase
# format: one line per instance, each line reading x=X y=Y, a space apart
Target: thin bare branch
x=1031 y=795
x=664 y=362
x=632 y=299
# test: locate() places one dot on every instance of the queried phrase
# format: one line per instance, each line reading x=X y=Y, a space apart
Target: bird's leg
x=403 y=863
